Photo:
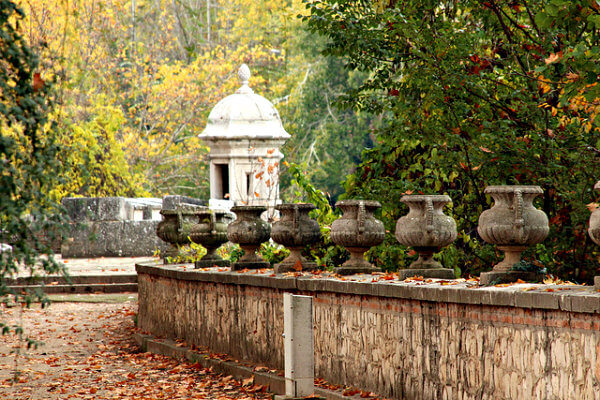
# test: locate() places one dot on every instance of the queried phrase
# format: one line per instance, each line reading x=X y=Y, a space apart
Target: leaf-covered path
x=89 y=353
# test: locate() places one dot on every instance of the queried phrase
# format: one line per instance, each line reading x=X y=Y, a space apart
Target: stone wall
x=400 y=340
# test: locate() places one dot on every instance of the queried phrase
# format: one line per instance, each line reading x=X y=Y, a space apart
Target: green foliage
x=187 y=254
x=326 y=140
x=525 y=266
x=471 y=94
x=272 y=252
x=28 y=164
x=325 y=252
x=231 y=251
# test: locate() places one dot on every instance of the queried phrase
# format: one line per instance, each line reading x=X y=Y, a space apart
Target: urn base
x=512 y=256
x=241 y=265
x=293 y=266
x=351 y=270
x=295 y=262
x=440 y=273
x=170 y=255
x=425 y=260
x=356 y=264
x=211 y=263
x=496 y=277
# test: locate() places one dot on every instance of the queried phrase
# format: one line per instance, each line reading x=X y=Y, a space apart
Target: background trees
x=436 y=97
x=137 y=78
x=474 y=93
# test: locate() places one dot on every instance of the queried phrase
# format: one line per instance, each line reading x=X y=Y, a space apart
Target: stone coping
x=570 y=298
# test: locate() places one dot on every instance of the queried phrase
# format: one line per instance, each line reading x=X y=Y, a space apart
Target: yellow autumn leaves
x=137 y=79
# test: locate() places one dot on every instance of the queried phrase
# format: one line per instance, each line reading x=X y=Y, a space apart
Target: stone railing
x=415 y=339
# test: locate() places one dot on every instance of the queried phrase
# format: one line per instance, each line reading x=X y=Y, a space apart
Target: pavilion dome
x=244 y=115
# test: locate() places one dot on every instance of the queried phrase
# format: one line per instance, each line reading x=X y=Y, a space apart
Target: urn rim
x=216 y=211
x=356 y=202
x=528 y=189
x=436 y=198
x=291 y=206
x=249 y=208
x=186 y=210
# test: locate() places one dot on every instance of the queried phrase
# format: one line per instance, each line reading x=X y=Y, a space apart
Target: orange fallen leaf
x=297 y=266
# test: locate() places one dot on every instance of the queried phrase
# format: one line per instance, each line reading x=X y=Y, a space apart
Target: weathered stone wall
x=111 y=227
x=243 y=321
x=398 y=340
x=112 y=239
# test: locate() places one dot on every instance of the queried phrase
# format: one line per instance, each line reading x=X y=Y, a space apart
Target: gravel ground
x=88 y=353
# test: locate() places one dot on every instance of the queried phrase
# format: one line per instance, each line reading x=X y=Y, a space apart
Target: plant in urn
x=249 y=230
x=594 y=232
x=357 y=230
x=211 y=232
x=512 y=224
x=295 y=229
x=427 y=229
x=175 y=228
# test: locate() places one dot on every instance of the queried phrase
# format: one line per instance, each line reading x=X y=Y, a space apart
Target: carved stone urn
x=211 y=232
x=175 y=228
x=594 y=232
x=512 y=224
x=295 y=229
x=249 y=230
x=357 y=230
x=427 y=229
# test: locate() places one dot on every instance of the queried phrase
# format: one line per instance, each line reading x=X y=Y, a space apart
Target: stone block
x=112 y=239
x=500 y=297
x=171 y=202
x=585 y=302
x=533 y=299
x=441 y=273
x=144 y=208
x=86 y=209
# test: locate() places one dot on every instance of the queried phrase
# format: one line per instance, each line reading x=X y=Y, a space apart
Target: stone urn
x=175 y=228
x=594 y=232
x=295 y=229
x=427 y=229
x=357 y=230
x=211 y=232
x=512 y=224
x=249 y=230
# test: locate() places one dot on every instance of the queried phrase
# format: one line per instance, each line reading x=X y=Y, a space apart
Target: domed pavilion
x=244 y=133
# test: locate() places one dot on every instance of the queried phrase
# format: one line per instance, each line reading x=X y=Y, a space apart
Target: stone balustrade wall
x=400 y=340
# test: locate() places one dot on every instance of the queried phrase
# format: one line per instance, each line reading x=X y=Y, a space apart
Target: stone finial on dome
x=244 y=75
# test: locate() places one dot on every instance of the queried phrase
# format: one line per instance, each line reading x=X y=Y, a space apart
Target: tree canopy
x=473 y=93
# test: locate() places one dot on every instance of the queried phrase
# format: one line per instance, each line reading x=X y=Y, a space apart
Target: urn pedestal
x=357 y=230
x=211 y=232
x=513 y=224
x=427 y=229
x=594 y=232
x=249 y=230
x=295 y=229
x=175 y=228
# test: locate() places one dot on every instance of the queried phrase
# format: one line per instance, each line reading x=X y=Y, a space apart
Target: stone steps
x=75 y=279
x=80 y=288
x=79 y=284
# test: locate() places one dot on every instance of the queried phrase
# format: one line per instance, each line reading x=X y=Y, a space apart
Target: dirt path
x=89 y=353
